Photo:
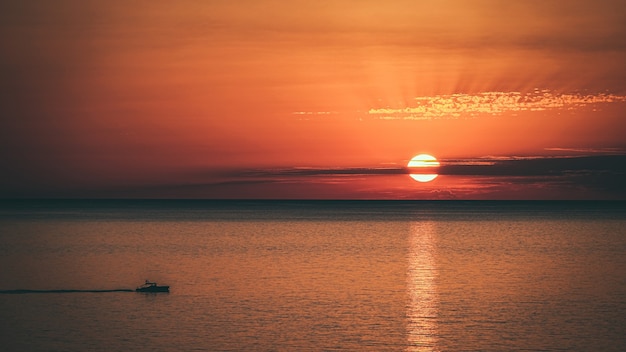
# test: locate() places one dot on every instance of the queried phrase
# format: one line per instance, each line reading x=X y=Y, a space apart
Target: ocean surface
x=313 y=276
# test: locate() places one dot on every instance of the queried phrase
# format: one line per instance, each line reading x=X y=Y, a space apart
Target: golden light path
x=422 y=161
x=423 y=307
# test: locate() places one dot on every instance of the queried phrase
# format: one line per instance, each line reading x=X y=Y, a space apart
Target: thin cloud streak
x=537 y=166
x=471 y=178
x=605 y=151
x=570 y=177
x=488 y=166
x=306 y=171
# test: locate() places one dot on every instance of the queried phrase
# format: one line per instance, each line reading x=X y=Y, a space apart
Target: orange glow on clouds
x=492 y=103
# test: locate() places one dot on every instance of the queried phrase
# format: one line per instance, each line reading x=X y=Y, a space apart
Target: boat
x=152 y=287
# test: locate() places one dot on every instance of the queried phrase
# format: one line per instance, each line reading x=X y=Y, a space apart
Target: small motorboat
x=152 y=287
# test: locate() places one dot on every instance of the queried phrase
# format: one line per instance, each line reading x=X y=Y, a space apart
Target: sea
x=312 y=275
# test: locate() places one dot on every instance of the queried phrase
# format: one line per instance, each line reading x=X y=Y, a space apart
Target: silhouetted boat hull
x=152 y=287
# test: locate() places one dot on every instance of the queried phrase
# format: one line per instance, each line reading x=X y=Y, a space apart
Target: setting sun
x=421 y=163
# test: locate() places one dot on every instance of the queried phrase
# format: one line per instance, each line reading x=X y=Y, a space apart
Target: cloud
x=604 y=174
x=606 y=151
x=531 y=166
x=454 y=106
x=526 y=177
x=510 y=166
x=587 y=173
x=310 y=171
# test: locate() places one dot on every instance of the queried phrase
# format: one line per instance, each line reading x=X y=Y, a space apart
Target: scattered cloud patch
x=310 y=115
x=456 y=106
x=607 y=151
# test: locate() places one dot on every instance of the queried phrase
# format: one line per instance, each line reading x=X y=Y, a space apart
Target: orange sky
x=184 y=99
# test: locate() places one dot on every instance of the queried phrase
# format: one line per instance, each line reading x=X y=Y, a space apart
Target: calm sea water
x=314 y=276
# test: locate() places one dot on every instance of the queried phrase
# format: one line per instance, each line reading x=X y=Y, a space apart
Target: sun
x=425 y=162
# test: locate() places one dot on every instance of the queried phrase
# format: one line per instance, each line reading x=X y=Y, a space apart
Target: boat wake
x=62 y=291
x=147 y=287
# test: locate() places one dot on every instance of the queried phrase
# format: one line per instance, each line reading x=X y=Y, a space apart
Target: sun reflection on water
x=422 y=308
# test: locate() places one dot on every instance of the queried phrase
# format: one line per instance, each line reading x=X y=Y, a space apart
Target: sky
x=312 y=99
